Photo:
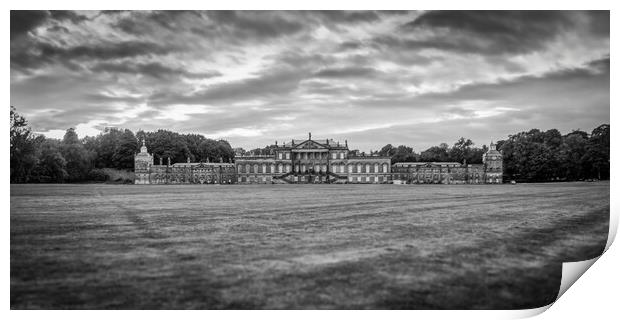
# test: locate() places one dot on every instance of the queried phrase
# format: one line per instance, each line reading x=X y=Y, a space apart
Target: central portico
x=312 y=161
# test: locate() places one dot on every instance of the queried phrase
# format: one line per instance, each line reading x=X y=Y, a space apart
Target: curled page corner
x=571 y=271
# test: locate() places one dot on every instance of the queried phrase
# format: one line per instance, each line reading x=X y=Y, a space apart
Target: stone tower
x=493 y=165
x=142 y=165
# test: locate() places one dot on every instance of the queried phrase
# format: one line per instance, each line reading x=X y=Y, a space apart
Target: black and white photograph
x=306 y=159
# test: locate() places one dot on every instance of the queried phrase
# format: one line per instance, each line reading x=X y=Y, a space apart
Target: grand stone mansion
x=316 y=161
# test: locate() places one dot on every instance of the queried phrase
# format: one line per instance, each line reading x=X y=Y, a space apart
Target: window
x=359 y=168
x=376 y=168
x=280 y=168
x=273 y=169
x=255 y=168
x=334 y=156
x=264 y=168
x=385 y=167
x=288 y=156
x=247 y=168
x=350 y=168
x=280 y=155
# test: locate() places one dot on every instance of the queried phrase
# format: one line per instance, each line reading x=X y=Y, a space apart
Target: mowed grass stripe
x=105 y=246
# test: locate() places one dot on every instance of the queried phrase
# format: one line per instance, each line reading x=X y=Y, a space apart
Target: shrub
x=97 y=175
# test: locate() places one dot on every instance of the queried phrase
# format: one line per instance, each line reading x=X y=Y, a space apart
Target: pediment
x=310 y=144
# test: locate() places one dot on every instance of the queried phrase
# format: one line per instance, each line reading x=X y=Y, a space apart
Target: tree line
x=38 y=159
x=532 y=156
x=550 y=156
x=528 y=156
x=463 y=151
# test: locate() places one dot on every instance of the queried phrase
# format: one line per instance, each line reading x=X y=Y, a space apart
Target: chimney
x=187 y=159
x=346 y=144
x=161 y=159
x=168 y=160
x=276 y=143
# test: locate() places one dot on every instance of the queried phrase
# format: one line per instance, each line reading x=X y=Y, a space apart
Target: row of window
x=280 y=168
x=310 y=155
x=371 y=179
x=434 y=176
x=267 y=179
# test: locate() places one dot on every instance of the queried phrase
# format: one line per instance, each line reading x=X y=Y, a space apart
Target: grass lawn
x=300 y=246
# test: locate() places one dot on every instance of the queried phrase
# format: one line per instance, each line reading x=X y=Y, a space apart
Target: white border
x=591 y=296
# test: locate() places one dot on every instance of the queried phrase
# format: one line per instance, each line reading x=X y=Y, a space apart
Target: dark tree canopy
x=23 y=148
x=71 y=159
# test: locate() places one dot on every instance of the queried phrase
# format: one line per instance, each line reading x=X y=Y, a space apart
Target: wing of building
x=316 y=161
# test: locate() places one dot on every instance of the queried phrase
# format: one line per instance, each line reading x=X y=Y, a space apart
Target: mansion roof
x=312 y=144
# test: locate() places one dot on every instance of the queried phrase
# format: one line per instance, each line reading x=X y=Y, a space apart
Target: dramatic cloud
x=371 y=77
x=509 y=32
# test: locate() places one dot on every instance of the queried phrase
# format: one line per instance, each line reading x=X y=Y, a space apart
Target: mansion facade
x=490 y=171
x=147 y=172
x=316 y=161
x=312 y=161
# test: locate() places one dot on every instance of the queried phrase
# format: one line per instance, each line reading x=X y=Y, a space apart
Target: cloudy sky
x=414 y=78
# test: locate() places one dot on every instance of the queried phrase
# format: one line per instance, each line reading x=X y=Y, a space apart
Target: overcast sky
x=414 y=78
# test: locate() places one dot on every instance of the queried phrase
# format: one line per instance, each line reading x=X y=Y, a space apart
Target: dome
x=143 y=148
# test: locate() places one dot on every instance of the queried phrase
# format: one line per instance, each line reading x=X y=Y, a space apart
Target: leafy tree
x=193 y=142
x=404 y=154
x=126 y=149
x=597 y=153
x=164 y=144
x=461 y=150
x=23 y=149
x=387 y=151
x=76 y=155
x=226 y=152
x=571 y=156
x=437 y=153
x=105 y=148
x=51 y=165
